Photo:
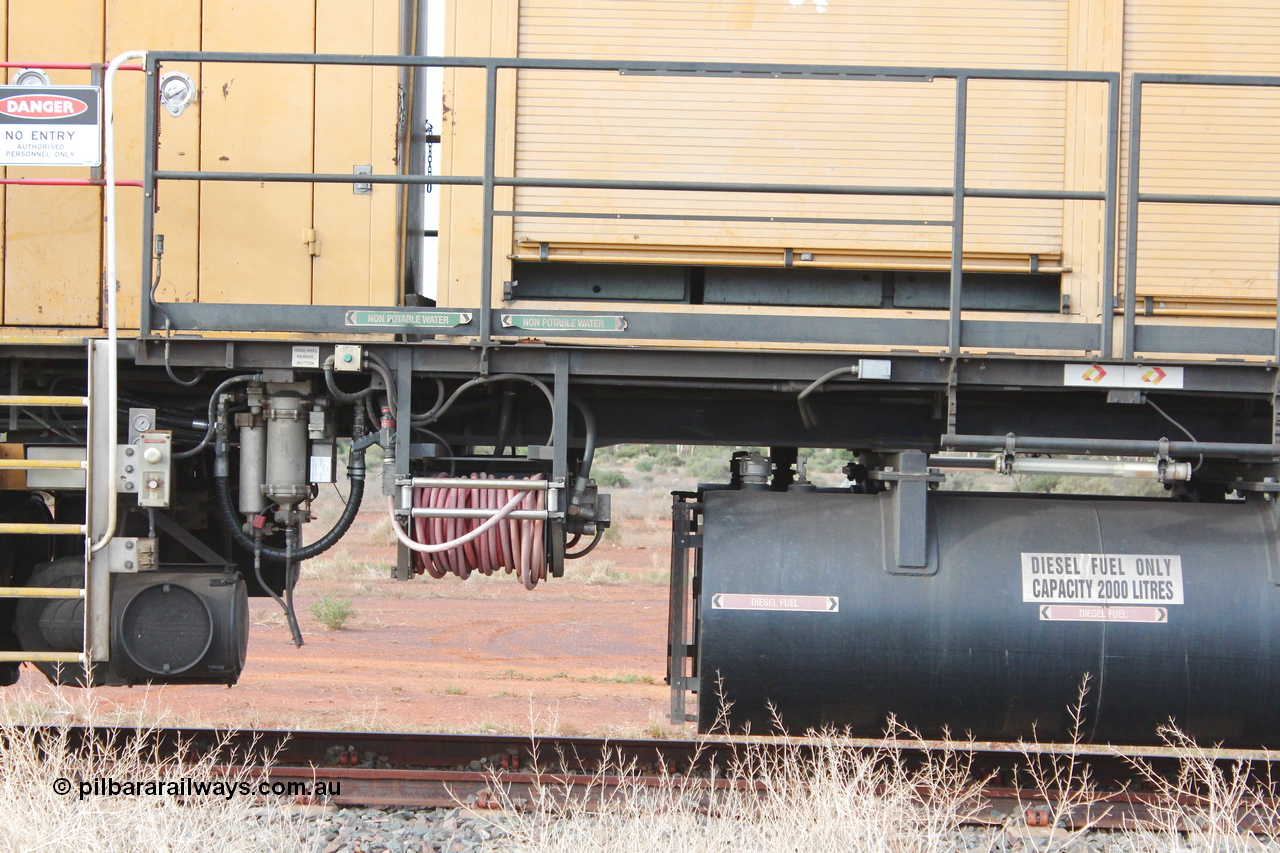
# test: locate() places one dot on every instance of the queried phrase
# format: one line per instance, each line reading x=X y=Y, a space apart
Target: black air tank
x=801 y=609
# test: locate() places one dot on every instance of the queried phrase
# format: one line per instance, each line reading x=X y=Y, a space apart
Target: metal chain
x=430 y=132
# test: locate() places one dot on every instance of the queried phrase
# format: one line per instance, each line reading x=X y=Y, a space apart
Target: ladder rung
x=33 y=464
x=34 y=527
x=41 y=657
x=41 y=592
x=41 y=400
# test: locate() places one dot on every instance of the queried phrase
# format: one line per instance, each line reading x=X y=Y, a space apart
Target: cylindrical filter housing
x=253 y=464
x=1170 y=610
x=286 y=464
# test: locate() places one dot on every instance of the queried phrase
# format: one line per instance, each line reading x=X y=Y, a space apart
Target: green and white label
x=561 y=323
x=420 y=319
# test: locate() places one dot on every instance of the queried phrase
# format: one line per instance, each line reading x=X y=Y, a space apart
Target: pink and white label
x=799 y=603
x=1086 y=613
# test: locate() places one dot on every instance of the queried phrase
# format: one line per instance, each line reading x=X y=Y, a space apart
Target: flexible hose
x=337 y=393
x=575 y=555
x=806 y=412
x=213 y=402
x=446 y=545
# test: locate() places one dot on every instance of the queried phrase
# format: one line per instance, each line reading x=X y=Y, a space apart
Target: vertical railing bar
x=957 y=215
x=1110 y=218
x=677 y=651
x=1276 y=349
x=486 y=240
x=148 y=195
x=1131 y=217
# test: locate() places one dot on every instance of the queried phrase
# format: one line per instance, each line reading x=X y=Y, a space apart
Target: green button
x=346 y=356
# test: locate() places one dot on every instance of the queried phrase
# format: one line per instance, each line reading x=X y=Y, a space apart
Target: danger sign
x=50 y=126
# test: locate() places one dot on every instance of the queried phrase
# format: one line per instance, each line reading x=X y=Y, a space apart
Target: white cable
x=113 y=343
x=453 y=543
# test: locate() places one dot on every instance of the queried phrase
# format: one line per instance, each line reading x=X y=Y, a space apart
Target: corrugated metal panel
x=1207 y=140
x=878 y=133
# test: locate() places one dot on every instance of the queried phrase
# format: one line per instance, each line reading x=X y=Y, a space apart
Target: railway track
x=1104 y=787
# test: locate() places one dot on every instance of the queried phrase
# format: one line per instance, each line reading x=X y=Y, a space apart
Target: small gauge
x=141 y=423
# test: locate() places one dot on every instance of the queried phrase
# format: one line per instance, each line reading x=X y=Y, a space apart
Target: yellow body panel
x=223 y=243
x=354 y=266
x=254 y=243
x=53 y=235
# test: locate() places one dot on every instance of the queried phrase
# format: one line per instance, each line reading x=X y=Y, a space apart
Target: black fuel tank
x=1172 y=609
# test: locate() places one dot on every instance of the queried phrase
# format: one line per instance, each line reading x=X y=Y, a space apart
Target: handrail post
x=957 y=215
x=1110 y=218
x=1131 y=218
x=113 y=338
x=486 y=240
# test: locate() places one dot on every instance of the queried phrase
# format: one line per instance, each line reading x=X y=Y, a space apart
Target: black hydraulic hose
x=589 y=450
x=355 y=473
x=574 y=555
x=337 y=393
x=213 y=402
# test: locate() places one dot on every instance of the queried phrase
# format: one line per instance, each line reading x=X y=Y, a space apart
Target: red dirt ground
x=447 y=655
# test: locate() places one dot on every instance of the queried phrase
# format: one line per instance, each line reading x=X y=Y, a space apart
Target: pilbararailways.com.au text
x=185 y=787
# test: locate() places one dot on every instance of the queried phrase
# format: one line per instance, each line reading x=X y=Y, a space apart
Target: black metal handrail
x=490 y=180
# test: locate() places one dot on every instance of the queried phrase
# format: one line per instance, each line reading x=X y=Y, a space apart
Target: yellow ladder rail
x=41 y=592
x=41 y=400
x=42 y=527
x=42 y=657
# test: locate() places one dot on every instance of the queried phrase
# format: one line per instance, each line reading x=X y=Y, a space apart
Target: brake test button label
x=800 y=603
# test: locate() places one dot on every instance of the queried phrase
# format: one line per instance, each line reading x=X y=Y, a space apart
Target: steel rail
x=434 y=770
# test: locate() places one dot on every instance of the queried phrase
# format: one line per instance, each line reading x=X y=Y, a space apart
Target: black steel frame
x=950 y=332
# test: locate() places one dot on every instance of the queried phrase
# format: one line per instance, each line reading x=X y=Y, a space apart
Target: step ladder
x=99 y=510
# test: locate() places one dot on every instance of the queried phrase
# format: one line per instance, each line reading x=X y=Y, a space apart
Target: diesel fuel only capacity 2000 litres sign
x=1133 y=579
x=50 y=126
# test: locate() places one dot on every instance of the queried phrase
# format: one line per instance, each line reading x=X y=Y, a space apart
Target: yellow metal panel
x=473 y=29
x=155 y=25
x=254 y=245
x=356 y=125
x=1206 y=140
x=804 y=131
x=53 y=234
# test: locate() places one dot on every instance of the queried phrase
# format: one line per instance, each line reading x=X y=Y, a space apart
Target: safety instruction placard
x=1122 y=579
x=50 y=126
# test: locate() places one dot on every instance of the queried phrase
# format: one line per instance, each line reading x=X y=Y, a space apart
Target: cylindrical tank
x=253 y=465
x=1170 y=609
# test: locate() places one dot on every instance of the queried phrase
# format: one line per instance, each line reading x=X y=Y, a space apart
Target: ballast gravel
x=422 y=830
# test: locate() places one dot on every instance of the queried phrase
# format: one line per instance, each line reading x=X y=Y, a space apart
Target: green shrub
x=332 y=612
x=644 y=465
x=610 y=479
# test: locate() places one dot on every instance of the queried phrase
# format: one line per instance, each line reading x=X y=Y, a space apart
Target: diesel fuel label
x=1124 y=579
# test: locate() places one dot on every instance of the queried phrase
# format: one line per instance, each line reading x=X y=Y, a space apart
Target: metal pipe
x=1145 y=470
x=1111 y=447
x=113 y=337
x=467 y=483
x=452 y=512
x=486 y=215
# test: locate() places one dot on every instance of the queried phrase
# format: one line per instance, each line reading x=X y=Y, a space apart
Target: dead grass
x=35 y=815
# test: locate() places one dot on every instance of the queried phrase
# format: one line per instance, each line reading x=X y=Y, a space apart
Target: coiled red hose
x=511 y=545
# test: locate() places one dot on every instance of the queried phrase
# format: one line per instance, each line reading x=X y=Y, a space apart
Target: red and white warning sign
x=50 y=126
x=800 y=603
x=1148 y=377
x=1076 y=613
